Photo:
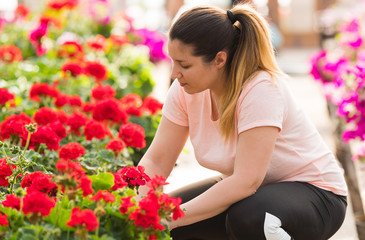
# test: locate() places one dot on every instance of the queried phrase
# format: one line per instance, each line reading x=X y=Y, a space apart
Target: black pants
x=306 y=212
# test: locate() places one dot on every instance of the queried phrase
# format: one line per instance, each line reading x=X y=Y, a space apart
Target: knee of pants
x=245 y=222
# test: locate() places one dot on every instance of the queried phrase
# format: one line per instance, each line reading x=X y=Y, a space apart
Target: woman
x=279 y=180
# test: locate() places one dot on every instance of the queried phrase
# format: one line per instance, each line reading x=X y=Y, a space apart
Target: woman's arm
x=165 y=148
x=254 y=150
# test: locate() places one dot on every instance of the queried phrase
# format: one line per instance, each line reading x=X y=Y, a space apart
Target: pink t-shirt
x=299 y=154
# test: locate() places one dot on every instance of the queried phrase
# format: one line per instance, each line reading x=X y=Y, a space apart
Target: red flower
x=71 y=49
x=73 y=67
x=72 y=150
x=14 y=126
x=58 y=128
x=86 y=185
x=131 y=103
x=75 y=101
x=147 y=214
x=46 y=135
x=118 y=181
x=105 y=195
x=152 y=104
x=42 y=183
x=134 y=176
x=116 y=145
x=156 y=182
x=101 y=92
x=125 y=204
x=59 y=4
x=94 y=129
x=109 y=109
x=10 y=53
x=133 y=135
x=22 y=10
x=62 y=116
x=96 y=70
x=61 y=100
x=28 y=179
x=76 y=121
x=12 y=201
x=73 y=168
x=98 y=43
x=3 y=220
x=5 y=96
x=39 y=90
x=84 y=217
x=44 y=116
x=171 y=204
x=118 y=40
x=37 y=202
x=5 y=171
x=88 y=107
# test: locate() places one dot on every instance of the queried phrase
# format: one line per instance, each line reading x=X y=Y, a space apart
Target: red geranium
x=86 y=185
x=59 y=4
x=22 y=11
x=76 y=121
x=116 y=145
x=105 y=195
x=118 y=181
x=134 y=176
x=133 y=135
x=39 y=90
x=10 y=53
x=12 y=201
x=88 y=107
x=61 y=100
x=82 y=218
x=3 y=220
x=98 y=43
x=46 y=135
x=152 y=104
x=96 y=70
x=44 y=116
x=14 y=126
x=5 y=172
x=75 y=101
x=72 y=150
x=132 y=103
x=28 y=178
x=101 y=92
x=42 y=183
x=58 y=128
x=5 y=96
x=109 y=109
x=71 y=49
x=70 y=167
x=126 y=204
x=62 y=116
x=95 y=129
x=37 y=202
x=73 y=67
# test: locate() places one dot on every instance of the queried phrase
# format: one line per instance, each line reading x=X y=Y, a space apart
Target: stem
x=6 y=156
x=27 y=144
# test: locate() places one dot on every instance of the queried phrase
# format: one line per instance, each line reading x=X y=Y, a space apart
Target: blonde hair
x=247 y=43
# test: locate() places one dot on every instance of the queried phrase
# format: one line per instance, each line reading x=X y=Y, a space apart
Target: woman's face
x=193 y=74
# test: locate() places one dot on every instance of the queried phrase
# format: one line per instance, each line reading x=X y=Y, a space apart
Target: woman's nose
x=175 y=74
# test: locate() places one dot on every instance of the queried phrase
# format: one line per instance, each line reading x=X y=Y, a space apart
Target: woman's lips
x=182 y=84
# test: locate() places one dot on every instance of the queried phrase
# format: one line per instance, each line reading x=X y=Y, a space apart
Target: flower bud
x=32 y=128
x=14 y=149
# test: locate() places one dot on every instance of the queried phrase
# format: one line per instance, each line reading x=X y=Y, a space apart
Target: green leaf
x=103 y=181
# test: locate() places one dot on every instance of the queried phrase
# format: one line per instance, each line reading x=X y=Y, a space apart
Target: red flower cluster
x=73 y=67
x=14 y=126
x=71 y=49
x=133 y=135
x=58 y=128
x=22 y=11
x=96 y=70
x=5 y=96
x=105 y=195
x=101 y=92
x=45 y=116
x=98 y=43
x=126 y=204
x=134 y=176
x=38 y=181
x=10 y=53
x=116 y=145
x=76 y=121
x=60 y=4
x=95 y=129
x=118 y=40
x=132 y=103
x=72 y=150
x=3 y=220
x=83 y=218
x=39 y=90
x=5 y=172
x=152 y=104
x=37 y=202
x=109 y=109
x=46 y=135
x=12 y=201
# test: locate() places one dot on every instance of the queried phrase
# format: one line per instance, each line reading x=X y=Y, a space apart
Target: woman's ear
x=220 y=59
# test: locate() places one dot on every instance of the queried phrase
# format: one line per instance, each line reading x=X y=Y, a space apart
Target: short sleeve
x=174 y=107
x=260 y=105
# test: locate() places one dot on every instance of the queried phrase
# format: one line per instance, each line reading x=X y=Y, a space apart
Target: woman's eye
x=185 y=67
